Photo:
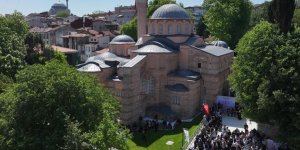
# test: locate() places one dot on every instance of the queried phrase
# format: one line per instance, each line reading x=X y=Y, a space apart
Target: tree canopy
x=281 y=12
x=130 y=28
x=259 y=13
x=296 y=19
x=266 y=79
x=13 y=30
x=53 y=106
x=227 y=20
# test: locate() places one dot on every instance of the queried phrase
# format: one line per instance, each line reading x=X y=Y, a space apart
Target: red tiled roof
x=64 y=49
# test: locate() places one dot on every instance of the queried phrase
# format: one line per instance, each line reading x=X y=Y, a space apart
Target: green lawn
x=157 y=140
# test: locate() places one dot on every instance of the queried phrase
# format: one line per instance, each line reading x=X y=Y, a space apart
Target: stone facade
x=168 y=73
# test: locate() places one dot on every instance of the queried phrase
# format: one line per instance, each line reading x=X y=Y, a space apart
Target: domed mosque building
x=58 y=7
x=169 y=72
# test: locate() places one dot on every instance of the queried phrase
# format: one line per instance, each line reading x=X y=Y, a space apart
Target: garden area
x=157 y=140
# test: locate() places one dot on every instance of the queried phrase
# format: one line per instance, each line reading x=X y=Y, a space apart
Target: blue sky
x=78 y=7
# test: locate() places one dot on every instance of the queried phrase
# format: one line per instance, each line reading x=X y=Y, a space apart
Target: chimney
x=141 y=7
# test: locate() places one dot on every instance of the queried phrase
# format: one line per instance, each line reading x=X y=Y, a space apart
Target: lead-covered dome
x=170 y=11
x=220 y=44
x=122 y=39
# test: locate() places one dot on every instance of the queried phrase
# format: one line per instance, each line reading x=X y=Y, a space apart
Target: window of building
x=178 y=29
x=175 y=100
x=122 y=53
x=153 y=29
x=170 y=29
x=161 y=29
x=199 y=65
x=148 y=85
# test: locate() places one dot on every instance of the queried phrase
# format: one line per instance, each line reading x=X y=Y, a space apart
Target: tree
x=53 y=103
x=35 y=46
x=281 y=12
x=266 y=79
x=201 y=29
x=4 y=82
x=227 y=20
x=13 y=29
x=296 y=19
x=259 y=13
x=130 y=28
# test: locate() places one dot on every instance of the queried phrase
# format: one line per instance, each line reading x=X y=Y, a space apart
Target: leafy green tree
x=130 y=28
x=53 y=103
x=35 y=46
x=13 y=29
x=5 y=81
x=259 y=13
x=227 y=20
x=201 y=29
x=296 y=19
x=266 y=79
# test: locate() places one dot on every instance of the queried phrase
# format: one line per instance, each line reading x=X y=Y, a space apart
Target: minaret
x=67 y=1
x=141 y=7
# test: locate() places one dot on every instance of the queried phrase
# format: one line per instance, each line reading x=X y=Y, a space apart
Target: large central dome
x=170 y=11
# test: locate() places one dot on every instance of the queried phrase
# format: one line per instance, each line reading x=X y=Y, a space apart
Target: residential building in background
x=122 y=14
x=197 y=11
x=104 y=25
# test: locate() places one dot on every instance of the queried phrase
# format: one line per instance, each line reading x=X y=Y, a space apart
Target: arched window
x=178 y=28
x=170 y=29
x=161 y=28
x=121 y=52
x=153 y=29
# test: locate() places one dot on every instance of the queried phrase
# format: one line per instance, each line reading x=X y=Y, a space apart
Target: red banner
x=206 y=109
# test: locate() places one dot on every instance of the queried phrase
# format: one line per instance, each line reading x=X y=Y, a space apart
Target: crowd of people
x=216 y=136
x=147 y=124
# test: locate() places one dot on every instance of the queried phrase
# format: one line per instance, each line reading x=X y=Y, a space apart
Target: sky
x=77 y=7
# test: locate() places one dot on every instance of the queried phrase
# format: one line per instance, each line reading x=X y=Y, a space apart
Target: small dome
x=220 y=44
x=122 y=39
x=170 y=11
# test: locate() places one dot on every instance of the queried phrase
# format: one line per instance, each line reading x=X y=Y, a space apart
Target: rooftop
x=64 y=50
x=214 y=50
x=120 y=39
x=154 y=47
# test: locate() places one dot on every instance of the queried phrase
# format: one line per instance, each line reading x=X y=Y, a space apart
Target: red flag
x=206 y=109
